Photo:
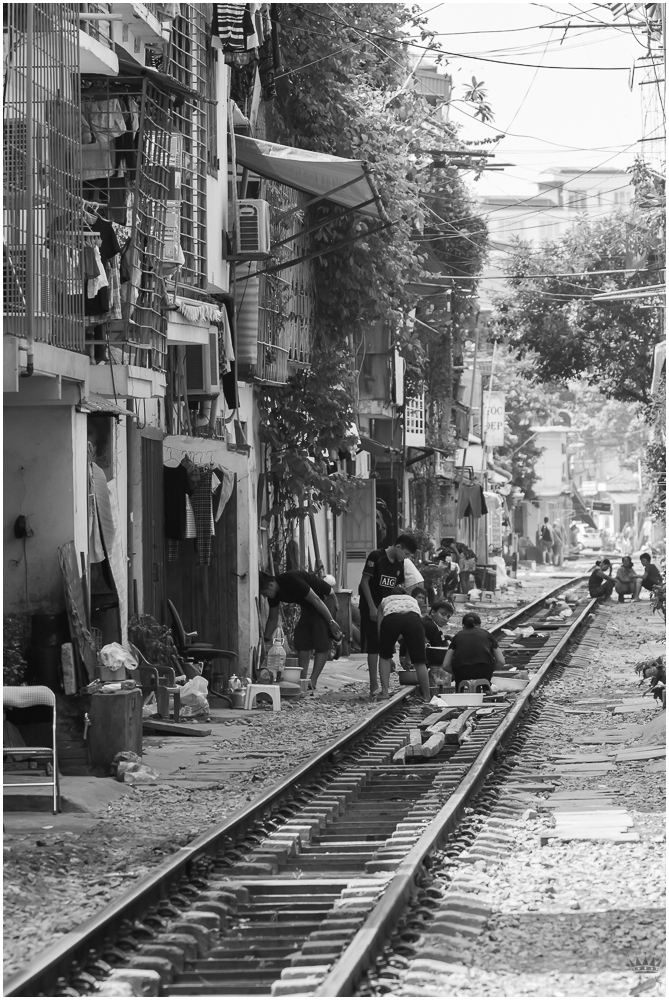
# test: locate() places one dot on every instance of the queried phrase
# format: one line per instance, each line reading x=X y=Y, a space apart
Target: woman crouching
x=400 y=615
x=474 y=652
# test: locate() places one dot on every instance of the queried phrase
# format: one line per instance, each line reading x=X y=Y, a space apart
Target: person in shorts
x=400 y=615
x=317 y=624
x=627 y=581
x=382 y=575
x=546 y=541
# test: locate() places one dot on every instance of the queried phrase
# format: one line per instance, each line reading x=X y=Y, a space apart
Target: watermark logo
x=648 y=967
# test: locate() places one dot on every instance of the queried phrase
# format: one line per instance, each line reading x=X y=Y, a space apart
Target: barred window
x=188 y=66
x=211 y=109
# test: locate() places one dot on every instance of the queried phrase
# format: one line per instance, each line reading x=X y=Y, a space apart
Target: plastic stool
x=474 y=686
x=273 y=690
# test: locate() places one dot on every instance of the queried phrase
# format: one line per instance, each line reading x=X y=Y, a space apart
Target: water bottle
x=276 y=656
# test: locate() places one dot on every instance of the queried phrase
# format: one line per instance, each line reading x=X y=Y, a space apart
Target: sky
x=572 y=116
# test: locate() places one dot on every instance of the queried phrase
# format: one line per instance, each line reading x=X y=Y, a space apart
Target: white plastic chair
x=26 y=697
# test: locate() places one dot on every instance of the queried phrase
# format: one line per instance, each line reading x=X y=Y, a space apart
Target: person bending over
x=317 y=625
x=627 y=581
x=383 y=573
x=400 y=616
x=651 y=574
x=601 y=583
x=473 y=653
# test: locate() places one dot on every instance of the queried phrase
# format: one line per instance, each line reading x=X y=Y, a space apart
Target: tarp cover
x=317 y=174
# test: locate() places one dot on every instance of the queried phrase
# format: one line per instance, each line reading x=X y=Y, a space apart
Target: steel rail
x=57 y=960
x=368 y=941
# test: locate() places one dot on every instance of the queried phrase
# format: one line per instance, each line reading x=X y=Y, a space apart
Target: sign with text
x=493 y=418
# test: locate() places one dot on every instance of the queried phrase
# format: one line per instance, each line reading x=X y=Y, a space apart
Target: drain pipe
x=30 y=195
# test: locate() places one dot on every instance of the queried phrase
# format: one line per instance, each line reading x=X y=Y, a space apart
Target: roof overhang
x=94 y=403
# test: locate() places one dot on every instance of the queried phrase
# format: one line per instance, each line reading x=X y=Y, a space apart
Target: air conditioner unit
x=444 y=468
x=253 y=234
x=202 y=371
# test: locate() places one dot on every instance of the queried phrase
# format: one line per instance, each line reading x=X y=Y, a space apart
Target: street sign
x=493 y=419
x=601 y=506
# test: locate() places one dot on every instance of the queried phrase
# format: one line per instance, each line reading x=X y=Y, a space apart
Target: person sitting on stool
x=627 y=581
x=474 y=652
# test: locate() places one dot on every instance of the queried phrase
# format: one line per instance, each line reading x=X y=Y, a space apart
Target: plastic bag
x=194 y=698
x=412 y=577
x=114 y=656
x=150 y=706
x=132 y=773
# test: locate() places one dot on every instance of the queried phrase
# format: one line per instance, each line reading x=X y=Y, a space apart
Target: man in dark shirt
x=382 y=575
x=651 y=574
x=601 y=583
x=317 y=625
x=474 y=653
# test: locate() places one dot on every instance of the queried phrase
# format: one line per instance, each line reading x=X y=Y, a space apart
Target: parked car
x=589 y=538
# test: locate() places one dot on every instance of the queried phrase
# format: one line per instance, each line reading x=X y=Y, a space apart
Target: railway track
x=303 y=890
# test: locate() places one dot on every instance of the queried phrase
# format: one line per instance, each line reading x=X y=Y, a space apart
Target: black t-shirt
x=652 y=575
x=433 y=634
x=597 y=578
x=383 y=575
x=295 y=585
x=473 y=646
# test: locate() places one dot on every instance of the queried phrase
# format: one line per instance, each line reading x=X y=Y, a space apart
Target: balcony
x=139 y=28
x=96 y=39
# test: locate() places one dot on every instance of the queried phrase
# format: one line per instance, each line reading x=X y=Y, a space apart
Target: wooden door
x=206 y=596
x=153 y=530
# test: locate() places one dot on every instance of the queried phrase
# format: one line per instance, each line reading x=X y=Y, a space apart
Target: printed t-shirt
x=383 y=575
x=295 y=585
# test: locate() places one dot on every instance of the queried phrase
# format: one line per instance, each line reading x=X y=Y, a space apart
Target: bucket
x=238 y=698
x=291 y=674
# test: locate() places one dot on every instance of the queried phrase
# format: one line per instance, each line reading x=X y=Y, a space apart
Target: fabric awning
x=631 y=498
x=376 y=448
x=346 y=182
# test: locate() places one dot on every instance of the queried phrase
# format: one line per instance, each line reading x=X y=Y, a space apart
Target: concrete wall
x=45 y=478
x=551 y=466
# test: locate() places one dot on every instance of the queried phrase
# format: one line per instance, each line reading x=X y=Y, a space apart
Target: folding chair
x=27 y=697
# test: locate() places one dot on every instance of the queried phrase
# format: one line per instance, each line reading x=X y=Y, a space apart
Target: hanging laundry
x=96 y=552
x=176 y=488
x=191 y=530
x=224 y=493
x=204 y=518
x=232 y=23
x=103 y=505
x=493 y=500
x=471 y=502
x=98 y=281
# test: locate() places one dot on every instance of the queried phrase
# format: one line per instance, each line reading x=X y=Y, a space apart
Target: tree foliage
x=344 y=92
x=555 y=321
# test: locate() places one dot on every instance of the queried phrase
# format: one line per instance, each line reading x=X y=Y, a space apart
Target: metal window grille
x=211 y=110
x=414 y=416
x=42 y=218
x=286 y=311
x=133 y=193
x=187 y=64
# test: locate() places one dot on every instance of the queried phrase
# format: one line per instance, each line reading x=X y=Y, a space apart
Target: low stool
x=474 y=686
x=253 y=690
